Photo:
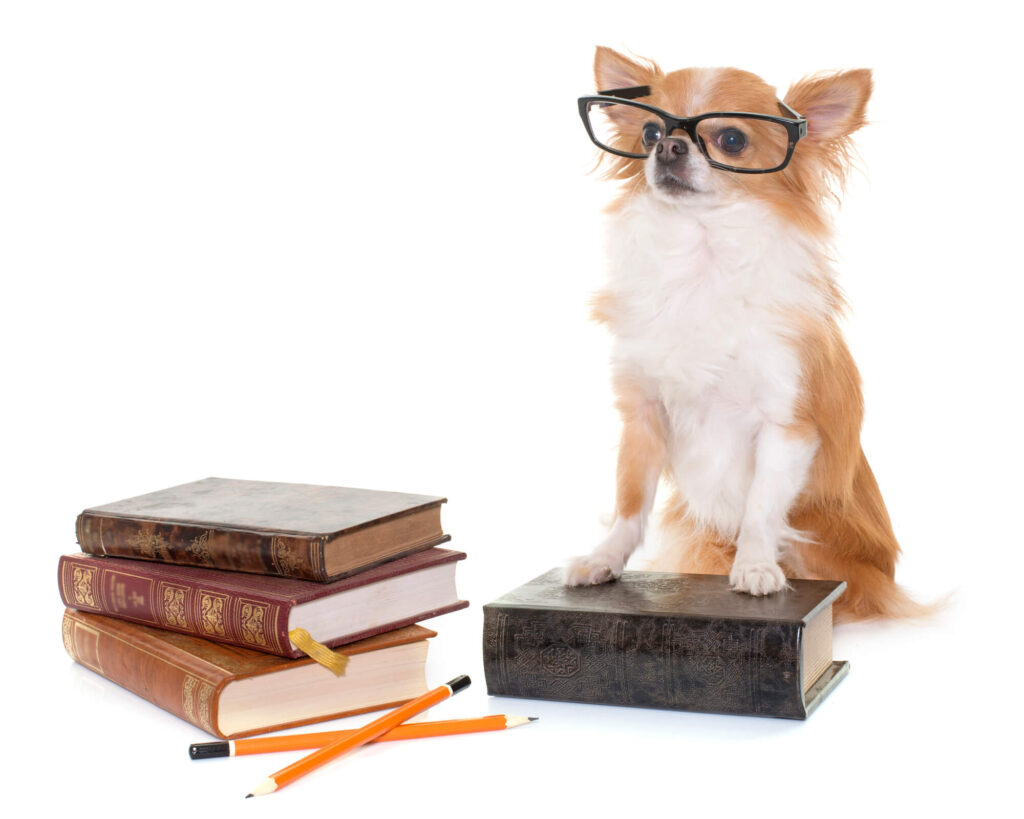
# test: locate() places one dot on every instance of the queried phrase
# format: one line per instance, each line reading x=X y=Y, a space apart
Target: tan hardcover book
x=233 y=692
x=308 y=532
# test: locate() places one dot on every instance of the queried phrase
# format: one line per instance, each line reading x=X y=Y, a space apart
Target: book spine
x=235 y=550
x=144 y=671
x=188 y=607
x=690 y=664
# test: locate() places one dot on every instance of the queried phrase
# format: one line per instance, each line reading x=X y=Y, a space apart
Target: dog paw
x=757 y=578
x=591 y=570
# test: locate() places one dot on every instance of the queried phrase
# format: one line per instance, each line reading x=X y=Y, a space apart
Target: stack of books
x=247 y=606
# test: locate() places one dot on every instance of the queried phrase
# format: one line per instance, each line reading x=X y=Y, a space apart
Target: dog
x=730 y=372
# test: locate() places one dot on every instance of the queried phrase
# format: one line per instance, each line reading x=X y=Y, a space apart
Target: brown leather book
x=682 y=641
x=232 y=692
x=258 y=612
x=319 y=533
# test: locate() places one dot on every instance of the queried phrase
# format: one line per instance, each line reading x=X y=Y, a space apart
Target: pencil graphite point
x=268 y=785
x=368 y=733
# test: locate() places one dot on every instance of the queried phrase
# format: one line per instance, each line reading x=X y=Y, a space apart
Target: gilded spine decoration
x=196 y=699
x=253 y=618
x=190 y=609
x=189 y=545
x=199 y=548
x=174 y=600
x=83 y=581
x=211 y=614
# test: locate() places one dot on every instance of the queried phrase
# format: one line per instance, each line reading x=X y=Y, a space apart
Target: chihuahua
x=730 y=373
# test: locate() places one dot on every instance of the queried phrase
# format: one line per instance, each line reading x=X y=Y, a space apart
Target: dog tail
x=871 y=594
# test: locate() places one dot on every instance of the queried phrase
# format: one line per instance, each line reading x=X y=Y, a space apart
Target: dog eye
x=732 y=140
x=651 y=134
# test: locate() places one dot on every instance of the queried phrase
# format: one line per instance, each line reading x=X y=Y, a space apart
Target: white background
x=352 y=244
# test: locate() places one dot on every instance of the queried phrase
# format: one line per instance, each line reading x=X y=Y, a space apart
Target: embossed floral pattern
x=81 y=583
x=252 y=617
x=199 y=548
x=174 y=606
x=211 y=613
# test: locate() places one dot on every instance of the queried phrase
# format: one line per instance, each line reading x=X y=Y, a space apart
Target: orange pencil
x=367 y=733
x=304 y=742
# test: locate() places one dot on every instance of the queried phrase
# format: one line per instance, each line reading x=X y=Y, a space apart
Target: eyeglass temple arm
x=645 y=91
x=627 y=93
x=801 y=121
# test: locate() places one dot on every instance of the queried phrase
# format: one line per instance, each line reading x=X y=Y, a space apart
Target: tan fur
x=841 y=511
x=820 y=166
x=642 y=448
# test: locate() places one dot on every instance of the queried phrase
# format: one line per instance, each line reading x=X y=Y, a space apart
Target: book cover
x=656 y=640
x=255 y=611
x=189 y=676
x=308 y=532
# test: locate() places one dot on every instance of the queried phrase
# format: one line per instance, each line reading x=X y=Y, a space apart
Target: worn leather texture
x=655 y=640
x=259 y=527
x=246 y=610
x=185 y=675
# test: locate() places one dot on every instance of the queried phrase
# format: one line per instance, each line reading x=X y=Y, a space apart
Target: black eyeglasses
x=731 y=140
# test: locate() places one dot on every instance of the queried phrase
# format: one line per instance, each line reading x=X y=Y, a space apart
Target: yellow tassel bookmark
x=331 y=660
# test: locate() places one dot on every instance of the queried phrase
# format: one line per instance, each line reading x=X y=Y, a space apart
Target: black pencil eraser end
x=458 y=683
x=208 y=750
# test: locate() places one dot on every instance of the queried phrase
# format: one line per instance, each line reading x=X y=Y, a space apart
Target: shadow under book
x=685 y=642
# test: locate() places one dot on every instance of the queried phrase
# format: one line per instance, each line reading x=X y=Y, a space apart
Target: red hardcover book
x=257 y=612
x=295 y=530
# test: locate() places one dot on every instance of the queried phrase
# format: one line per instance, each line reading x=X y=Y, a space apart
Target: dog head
x=687 y=157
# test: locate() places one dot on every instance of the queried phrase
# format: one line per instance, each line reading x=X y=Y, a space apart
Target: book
x=308 y=532
x=233 y=692
x=258 y=612
x=658 y=640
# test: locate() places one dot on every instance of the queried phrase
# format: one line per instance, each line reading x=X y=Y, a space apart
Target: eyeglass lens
x=738 y=142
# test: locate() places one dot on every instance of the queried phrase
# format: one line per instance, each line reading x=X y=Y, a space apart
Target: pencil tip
x=248 y=796
x=533 y=719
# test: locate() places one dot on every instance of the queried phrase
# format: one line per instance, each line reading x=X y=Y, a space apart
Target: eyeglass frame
x=795 y=124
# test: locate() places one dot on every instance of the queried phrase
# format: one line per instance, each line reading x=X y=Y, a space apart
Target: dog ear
x=614 y=70
x=834 y=104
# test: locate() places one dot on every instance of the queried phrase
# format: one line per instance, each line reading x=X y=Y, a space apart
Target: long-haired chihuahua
x=731 y=376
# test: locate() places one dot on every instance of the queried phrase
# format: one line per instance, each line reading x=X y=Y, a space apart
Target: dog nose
x=671 y=149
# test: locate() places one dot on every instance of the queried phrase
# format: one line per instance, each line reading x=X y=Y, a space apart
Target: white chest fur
x=705 y=307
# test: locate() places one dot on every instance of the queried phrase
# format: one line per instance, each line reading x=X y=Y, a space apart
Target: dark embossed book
x=685 y=642
x=295 y=530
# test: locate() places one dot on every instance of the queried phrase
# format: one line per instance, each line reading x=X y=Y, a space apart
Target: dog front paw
x=757 y=578
x=592 y=570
